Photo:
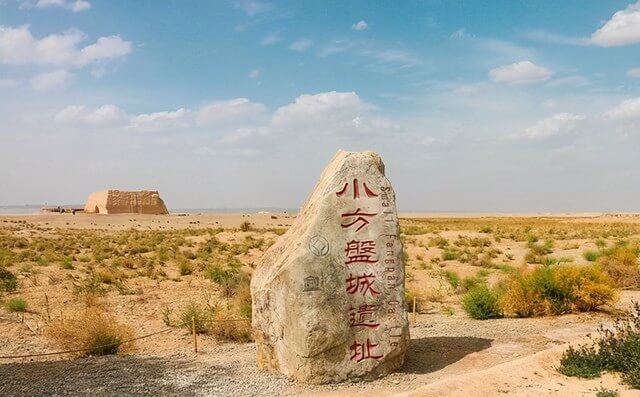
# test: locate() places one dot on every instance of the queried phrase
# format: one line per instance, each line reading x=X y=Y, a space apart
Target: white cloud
x=19 y=47
x=254 y=73
x=159 y=121
x=50 y=80
x=74 y=6
x=520 y=73
x=271 y=38
x=627 y=109
x=301 y=45
x=79 y=5
x=458 y=34
x=80 y=115
x=252 y=8
x=335 y=47
x=623 y=28
x=238 y=111
x=8 y=83
x=634 y=72
x=338 y=113
x=557 y=124
x=360 y=25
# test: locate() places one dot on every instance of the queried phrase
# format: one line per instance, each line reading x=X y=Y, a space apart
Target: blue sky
x=474 y=106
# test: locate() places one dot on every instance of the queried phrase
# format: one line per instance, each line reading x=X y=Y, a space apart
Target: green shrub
x=616 y=350
x=603 y=392
x=481 y=303
x=16 y=305
x=193 y=312
x=591 y=256
x=8 y=280
x=583 y=362
x=468 y=283
x=66 y=263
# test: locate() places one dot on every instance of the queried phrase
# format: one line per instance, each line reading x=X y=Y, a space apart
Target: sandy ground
x=449 y=354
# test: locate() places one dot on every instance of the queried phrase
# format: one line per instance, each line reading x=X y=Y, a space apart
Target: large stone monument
x=328 y=297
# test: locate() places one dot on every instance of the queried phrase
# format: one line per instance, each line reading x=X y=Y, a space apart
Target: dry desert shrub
x=229 y=326
x=93 y=331
x=621 y=263
x=553 y=290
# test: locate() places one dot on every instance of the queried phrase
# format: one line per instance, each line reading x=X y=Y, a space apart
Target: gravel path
x=440 y=346
x=138 y=376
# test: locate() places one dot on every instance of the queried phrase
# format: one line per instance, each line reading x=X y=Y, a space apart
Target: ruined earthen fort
x=123 y=202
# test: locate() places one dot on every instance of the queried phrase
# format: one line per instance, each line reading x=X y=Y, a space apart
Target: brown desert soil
x=449 y=354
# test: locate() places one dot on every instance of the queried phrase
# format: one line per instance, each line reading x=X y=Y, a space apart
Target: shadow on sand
x=427 y=355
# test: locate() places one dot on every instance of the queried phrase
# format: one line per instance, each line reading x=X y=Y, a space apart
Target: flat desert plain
x=149 y=273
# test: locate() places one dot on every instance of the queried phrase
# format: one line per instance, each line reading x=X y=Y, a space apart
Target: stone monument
x=328 y=297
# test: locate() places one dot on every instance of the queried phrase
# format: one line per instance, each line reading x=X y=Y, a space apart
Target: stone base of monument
x=328 y=297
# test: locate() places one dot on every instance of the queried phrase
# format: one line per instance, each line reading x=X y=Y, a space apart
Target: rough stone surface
x=121 y=202
x=328 y=297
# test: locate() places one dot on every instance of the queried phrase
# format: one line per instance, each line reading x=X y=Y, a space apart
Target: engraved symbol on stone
x=319 y=246
x=311 y=283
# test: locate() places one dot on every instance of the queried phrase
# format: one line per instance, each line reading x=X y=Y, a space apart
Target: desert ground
x=145 y=272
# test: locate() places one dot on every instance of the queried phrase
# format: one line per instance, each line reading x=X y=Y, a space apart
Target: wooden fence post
x=195 y=337
x=414 y=310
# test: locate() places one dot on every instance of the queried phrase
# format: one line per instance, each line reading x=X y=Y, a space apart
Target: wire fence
x=110 y=344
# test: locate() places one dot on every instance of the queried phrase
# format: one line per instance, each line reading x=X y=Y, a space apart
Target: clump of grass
x=537 y=252
x=438 y=241
x=558 y=290
x=452 y=278
x=482 y=303
x=185 y=267
x=616 y=350
x=228 y=278
x=8 y=280
x=228 y=326
x=66 y=263
x=16 y=305
x=92 y=330
x=604 y=392
x=198 y=314
x=246 y=226
x=591 y=256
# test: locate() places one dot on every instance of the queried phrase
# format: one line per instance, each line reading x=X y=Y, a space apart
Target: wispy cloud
x=634 y=72
x=336 y=47
x=458 y=34
x=547 y=37
x=252 y=8
x=560 y=123
x=520 y=73
x=301 y=45
x=271 y=38
x=254 y=73
x=74 y=6
x=360 y=25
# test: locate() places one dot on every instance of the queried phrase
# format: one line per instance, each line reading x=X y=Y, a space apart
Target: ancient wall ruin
x=125 y=202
